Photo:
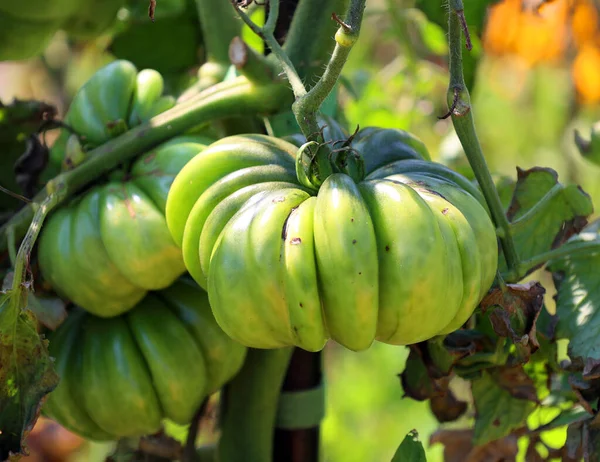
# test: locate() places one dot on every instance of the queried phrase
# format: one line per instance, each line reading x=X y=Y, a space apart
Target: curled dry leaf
x=513 y=313
x=424 y=379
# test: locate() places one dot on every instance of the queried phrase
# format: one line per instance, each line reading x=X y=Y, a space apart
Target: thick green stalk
x=250 y=403
x=567 y=250
x=462 y=118
x=237 y=97
x=306 y=107
x=219 y=25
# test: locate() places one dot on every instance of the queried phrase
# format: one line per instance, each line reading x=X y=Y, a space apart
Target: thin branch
x=14 y=194
x=266 y=33
x=309 y=103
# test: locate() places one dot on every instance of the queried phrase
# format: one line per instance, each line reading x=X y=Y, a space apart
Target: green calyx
x=317 y=161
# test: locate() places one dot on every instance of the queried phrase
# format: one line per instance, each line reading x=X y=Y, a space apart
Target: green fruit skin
x=116 y=98
x=402 y=256
x=107 y=248
x=121 y=376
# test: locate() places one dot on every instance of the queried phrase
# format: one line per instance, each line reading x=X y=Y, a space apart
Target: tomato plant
x=194 y=239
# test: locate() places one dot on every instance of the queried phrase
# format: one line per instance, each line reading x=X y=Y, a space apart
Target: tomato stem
x=567 y=250
x=462 y=119
x=219 y=27
x=21 y=262
x=237 y=97
x=308 y=102
x=250 y=403
x=308 y=42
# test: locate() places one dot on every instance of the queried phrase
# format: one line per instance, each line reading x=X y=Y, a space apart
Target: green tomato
x=116 y=98
x=400 y=256
x=111 y=245
x=121 y=376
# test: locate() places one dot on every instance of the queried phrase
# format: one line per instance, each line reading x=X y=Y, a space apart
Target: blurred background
x=534 y=75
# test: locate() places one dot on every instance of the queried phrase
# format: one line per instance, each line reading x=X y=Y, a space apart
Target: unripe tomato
x=116 y=98
x=400 y=256
x=120 y=377
x=109 y=246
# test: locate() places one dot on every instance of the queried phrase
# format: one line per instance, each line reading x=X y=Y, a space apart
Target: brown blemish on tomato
x=150 y=158
x=128 y=204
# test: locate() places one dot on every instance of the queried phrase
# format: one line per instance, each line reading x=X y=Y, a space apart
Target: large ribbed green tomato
x=122 y=376
x=111 y=245
x=401 y=256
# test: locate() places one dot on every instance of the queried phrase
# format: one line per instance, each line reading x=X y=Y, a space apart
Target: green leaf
x=545 y=213
x=26 y=372
x=578 y=299
x=498 y=411
x=410 y=450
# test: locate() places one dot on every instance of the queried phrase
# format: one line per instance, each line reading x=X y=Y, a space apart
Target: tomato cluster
x=122 y=376
x=388 y=246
